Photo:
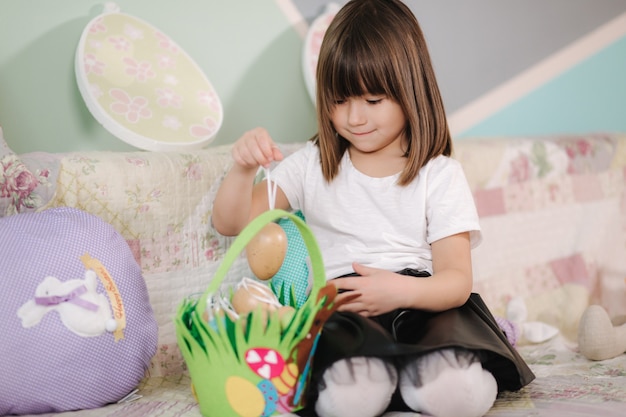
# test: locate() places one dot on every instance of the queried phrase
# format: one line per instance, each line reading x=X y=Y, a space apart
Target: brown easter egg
x=266 y=251
x=248 y=297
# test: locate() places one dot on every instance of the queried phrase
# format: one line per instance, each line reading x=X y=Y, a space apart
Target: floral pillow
x=22 y=189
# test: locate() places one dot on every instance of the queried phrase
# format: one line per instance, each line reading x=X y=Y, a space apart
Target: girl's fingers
x=261 y=146
x=255 y=148
x=276 y=153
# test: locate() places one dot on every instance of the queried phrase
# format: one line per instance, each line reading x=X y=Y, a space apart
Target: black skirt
x=404 y=334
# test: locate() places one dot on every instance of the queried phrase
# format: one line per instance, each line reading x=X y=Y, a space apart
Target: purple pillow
x=77 y=327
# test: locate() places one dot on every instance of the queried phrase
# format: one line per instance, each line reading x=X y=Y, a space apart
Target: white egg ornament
x=266 y=251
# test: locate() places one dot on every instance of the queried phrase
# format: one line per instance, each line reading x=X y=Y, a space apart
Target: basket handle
x=246 y=235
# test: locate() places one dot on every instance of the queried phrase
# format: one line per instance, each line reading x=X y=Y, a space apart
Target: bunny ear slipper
x=357 y=387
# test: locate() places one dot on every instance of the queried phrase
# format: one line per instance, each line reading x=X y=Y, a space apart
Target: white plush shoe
x=448 y=383
x=356 y=387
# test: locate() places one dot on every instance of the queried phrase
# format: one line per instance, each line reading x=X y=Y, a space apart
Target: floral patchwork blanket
x=553 y=214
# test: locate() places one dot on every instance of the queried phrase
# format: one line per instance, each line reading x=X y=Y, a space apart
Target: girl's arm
x=452 y=280
x=383 y=291
x=238 y=200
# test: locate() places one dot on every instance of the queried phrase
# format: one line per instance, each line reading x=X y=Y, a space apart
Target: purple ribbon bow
x=73 y=297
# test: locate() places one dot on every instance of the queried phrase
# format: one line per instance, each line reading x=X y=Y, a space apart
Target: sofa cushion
x=78 y=330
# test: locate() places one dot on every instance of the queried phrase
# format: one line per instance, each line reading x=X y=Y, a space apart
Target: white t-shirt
x=374 y=221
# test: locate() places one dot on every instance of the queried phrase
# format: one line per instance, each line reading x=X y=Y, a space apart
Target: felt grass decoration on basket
x=253 y=366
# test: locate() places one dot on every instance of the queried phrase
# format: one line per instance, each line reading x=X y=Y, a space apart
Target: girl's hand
x=378 y=291
x=239 y=199
x=255 y=148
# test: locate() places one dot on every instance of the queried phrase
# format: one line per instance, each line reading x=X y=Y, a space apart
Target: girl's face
x=370 y=123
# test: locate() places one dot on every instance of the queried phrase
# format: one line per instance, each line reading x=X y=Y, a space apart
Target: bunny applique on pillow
x=81 y=308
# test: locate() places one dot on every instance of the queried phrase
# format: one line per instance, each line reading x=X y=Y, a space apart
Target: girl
x=395 y=221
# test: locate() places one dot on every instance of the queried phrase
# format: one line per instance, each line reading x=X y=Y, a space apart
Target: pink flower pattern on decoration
x=142 y=71
x=166 y=62
x=207 y=129
x=171 y=80
x=133 y=32
x=18 y=184
x=171 y=122
x=166 y=43
x=120 y=43
x=98 y=26
x=96 y=91
x=168 y=98
x=210 y=99
x=133 y=108
x=93 y=66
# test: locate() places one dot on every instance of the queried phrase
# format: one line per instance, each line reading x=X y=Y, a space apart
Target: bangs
x=356 y=69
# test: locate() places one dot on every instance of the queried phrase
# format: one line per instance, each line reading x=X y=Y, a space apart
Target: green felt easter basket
x=253 y=366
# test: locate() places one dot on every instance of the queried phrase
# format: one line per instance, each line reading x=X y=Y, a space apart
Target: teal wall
x=588 y=97
x=247 y=49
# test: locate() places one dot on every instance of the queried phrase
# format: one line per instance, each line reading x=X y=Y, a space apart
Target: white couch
x=553 y=212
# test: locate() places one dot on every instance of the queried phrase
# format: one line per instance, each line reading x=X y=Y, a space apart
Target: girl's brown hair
x=377 y=47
